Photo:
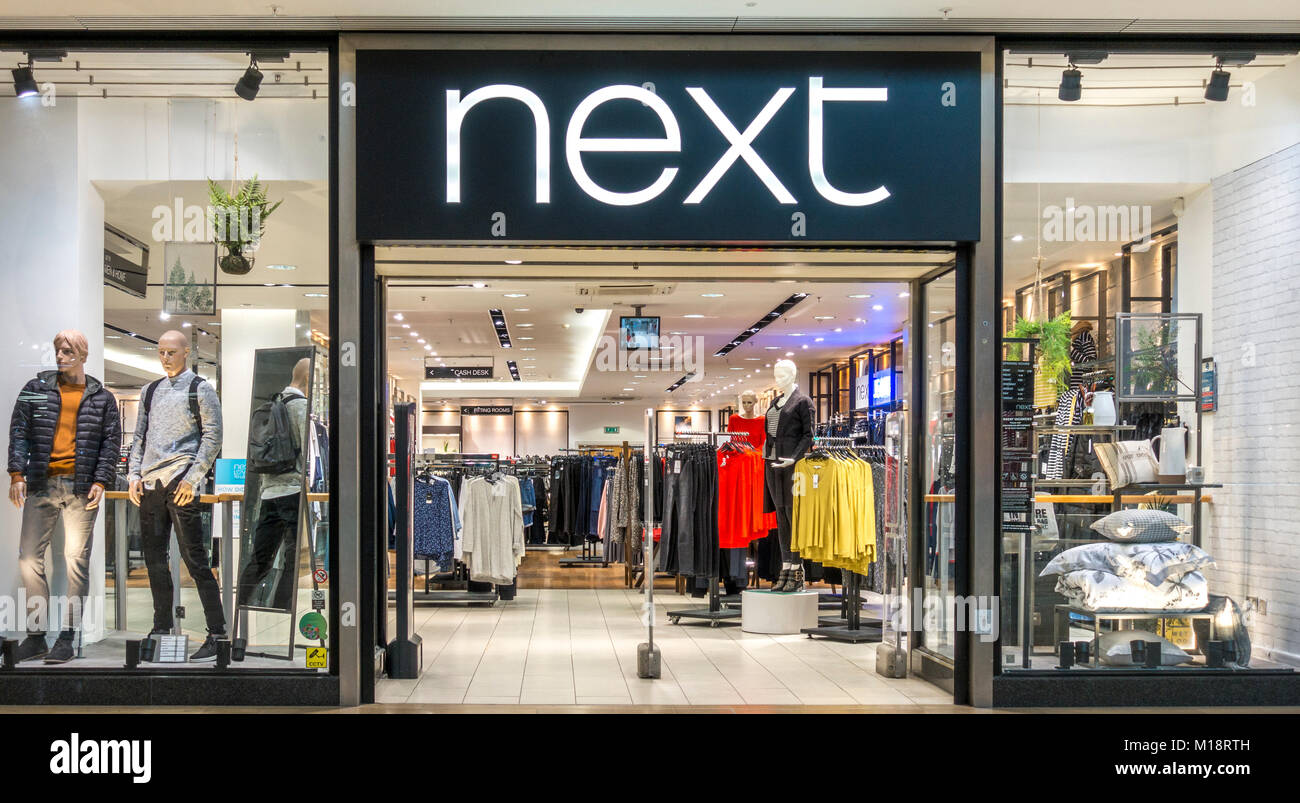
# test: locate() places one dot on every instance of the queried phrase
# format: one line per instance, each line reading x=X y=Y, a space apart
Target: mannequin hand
x=184 y=494
x=135 y=491
x=18 y=493
x=784 y=462
x=93 y=498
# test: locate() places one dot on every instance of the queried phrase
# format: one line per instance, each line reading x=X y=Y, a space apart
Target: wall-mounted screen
x=638 y=332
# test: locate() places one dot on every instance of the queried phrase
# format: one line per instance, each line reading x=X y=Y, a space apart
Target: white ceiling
x=1108 y=15
x=456 y=324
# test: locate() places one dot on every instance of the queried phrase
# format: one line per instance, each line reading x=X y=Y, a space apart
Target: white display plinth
x=777 y=613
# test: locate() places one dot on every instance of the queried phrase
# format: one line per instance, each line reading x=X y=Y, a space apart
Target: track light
x=248 y=86
x=1071 y=85
x=1217 y=88
x=25 y=82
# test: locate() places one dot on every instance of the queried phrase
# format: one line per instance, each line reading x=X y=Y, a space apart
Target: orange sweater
x=63 y=457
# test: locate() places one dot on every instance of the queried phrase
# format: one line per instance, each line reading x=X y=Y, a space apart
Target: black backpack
x=272 y=443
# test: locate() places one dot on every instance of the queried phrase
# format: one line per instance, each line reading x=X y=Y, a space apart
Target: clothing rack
x=719 y=609
x=588 y=558
x=848 y=626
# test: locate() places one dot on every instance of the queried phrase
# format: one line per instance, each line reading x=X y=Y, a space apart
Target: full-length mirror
x=271 y=522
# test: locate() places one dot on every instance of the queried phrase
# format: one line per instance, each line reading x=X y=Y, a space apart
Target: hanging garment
x=491 y=512
x=755 y=429
x=833 y=521
x=1070 y=405
x=435 y=522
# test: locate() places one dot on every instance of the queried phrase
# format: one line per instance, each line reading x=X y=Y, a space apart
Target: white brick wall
x=1253 y=529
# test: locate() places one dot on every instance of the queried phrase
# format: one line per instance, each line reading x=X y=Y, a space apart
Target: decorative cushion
x=1142 y=526
x=1114 y=649
x=1152 y=563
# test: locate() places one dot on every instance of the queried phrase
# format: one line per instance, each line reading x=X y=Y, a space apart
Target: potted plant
x=1154 y=361
x=239 y=221
x=1053 y=354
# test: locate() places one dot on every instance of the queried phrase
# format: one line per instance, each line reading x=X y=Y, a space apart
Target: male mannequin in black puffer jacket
x=64 y=444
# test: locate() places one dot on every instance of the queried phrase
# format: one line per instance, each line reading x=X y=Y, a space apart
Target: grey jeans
x=41 y=514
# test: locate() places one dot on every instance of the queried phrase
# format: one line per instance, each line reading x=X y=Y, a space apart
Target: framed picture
x=190 y=278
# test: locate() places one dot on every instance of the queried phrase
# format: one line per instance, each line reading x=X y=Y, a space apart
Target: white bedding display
x=1151 y=563
x=1114 y=648
x=1103 y=591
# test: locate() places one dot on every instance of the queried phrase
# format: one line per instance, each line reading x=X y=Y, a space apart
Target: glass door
x=938 y=436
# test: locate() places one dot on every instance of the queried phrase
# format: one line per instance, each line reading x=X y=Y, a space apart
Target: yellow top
x=833 y=520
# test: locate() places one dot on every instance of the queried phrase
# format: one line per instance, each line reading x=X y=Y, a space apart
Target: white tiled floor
x=553 y=646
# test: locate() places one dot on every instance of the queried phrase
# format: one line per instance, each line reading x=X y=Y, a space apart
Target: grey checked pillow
x=1142 y=526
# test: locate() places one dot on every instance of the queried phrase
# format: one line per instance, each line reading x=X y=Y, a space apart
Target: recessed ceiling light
x=771 y=348
x=837 y=329
x=514 y=261
x=789 y=354
x=525 y=338
x=860 y=295
x=523 y=325
x=1015 y=238
x=877 y=307
x=823 y=317
x=406 y=326
x=516 y=295
x=805 y=345
x=796 y=334
x=528 y=348
x=268 y=284
x=420 y=341
x=316 y=295
x=904 y=294
x=735 y=368
x=710 y=295
x=113 y=337
x=163 y=316
x=818 y=339
x=753 y=358
x=478 y=285
x=281 y=267
x=397 y=316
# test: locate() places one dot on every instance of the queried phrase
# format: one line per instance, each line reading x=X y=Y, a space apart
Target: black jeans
x=159 y=513
x=277 y=528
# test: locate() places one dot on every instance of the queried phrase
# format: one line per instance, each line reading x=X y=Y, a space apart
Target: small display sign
x=487 y=409
x=611 y=430
x=1209 y=400
x=317 y=658
x=458 y=372
x=173 y=649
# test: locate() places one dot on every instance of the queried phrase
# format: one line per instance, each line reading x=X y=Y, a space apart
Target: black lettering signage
x=125 y=275
x=457 y=372
x=667 y=146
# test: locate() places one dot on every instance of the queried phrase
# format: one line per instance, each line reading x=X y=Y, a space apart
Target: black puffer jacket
x=31 y=433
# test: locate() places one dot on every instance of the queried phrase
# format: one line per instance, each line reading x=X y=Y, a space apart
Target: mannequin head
x=783 y=373
x=748 y=403
x=70 y=352
x=173 y=352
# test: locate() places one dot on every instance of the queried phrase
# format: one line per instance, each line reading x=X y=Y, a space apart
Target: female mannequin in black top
x=789 y=437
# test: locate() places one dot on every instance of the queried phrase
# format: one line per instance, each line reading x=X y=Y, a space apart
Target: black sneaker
x=31 y=647
x=61 y=653
x=208 y=652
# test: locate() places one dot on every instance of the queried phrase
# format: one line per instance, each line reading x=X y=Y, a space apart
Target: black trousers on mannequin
x=778 y=496
x=159 y=514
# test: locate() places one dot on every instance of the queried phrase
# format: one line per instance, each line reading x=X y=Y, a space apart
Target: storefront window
x=1149 y=244
x=166 y=358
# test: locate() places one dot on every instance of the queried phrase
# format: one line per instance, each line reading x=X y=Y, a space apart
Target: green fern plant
x=240 y=221
x=1053 y=352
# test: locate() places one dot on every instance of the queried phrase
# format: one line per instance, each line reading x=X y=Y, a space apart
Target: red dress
x=740 y=488
x=755 y=428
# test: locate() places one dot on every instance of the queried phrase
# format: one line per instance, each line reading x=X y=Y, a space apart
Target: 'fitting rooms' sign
x=667 y=146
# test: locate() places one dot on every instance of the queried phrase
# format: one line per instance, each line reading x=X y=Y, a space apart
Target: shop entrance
x=550 y=370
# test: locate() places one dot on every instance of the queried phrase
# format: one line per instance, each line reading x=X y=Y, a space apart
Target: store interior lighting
x=251 y=81
x=25 y=82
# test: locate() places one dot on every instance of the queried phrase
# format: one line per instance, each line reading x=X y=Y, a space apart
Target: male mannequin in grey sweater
x=172 y=453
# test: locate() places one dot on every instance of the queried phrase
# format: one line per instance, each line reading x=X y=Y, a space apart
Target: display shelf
x=1085 y=429
x=1062 y=622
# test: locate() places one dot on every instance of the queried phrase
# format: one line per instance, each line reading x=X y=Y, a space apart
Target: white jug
x=1173 y=453
x=1103 y=408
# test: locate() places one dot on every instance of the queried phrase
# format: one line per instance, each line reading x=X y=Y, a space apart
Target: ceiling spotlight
x=516 y=295
x=877 y=307
x=514 y=261
x=1071 y=88
x=1217 y=88
x=248 y=85
x=397 y=316
x=25 y=82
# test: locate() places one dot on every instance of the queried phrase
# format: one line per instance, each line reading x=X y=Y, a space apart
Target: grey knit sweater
x=167 y=438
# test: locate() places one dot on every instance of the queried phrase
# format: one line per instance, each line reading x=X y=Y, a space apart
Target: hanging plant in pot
x=239 y=221
x=1053 y=356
